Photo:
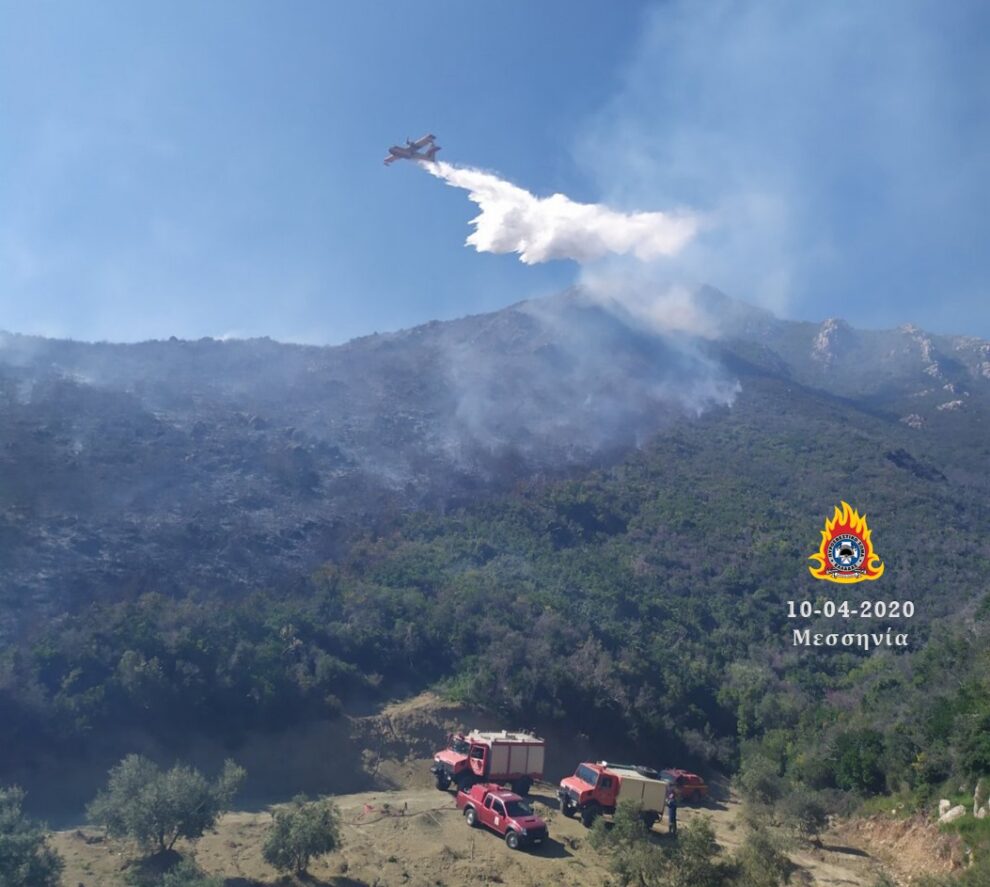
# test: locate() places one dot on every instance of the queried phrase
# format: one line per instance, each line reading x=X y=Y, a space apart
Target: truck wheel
x=443 y=781
x=649 y=820
x=589 y=814
x=470 y=817
x=522 y=786
x=512 y=839
x=463 y=782
x=568 y=809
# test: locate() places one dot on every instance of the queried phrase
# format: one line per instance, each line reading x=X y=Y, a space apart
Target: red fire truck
x=502 y=757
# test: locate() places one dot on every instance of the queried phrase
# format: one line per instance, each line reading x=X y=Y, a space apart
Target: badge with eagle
x=846 y=553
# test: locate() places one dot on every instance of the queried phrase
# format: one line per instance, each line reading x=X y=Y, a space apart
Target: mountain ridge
x=258 y=461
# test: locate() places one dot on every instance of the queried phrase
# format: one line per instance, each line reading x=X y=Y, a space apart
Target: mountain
x=563 y=510
x=230 y=465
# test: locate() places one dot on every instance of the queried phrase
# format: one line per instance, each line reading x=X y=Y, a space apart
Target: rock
x=981 y=813
x=953 y=814
x=980 y=794
x=943 y=807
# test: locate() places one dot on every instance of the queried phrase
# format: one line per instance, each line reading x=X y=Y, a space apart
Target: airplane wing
x=414 y=150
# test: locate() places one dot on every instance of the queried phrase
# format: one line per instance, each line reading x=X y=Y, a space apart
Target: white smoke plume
x=540 y=229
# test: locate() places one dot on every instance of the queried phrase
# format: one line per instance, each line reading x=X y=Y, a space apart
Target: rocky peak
x=833 y=336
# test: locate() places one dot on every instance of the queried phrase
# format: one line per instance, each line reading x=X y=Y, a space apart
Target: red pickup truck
x=690 y=787
x=505 y=813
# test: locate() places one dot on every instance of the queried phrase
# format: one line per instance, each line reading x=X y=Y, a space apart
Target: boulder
x=981 y=813
x=943 y=806
x=979 y=795
x=953 y=814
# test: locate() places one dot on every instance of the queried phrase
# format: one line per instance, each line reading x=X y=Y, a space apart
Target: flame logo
x=846 y=554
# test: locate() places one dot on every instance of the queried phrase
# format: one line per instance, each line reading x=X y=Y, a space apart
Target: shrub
x=858 y=761
x=188 y=874
x=695 y=860
x=184 y=873
x=804 y=813
x=760 y=861
x=303 y=830
x=25 y=859
x=759 y=781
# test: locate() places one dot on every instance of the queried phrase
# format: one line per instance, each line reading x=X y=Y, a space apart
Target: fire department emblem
x=846 y=553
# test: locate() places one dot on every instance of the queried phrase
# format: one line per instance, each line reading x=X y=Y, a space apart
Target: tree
x=25 y=859
x=858 y=761
x=627 y=828
x=975 y=745
x=759 y=781
x=804 y=813
x=298 y=833
x=690 y=862
x=695 y=858
x=760 y=862
x=156 y=807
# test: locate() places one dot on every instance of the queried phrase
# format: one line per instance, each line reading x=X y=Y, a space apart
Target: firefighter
x=672 y=812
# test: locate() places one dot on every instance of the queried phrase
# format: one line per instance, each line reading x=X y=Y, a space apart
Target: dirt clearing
x=406 y=832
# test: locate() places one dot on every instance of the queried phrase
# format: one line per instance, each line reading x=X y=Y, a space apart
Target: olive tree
x=760 y=861
x=803 y=813
x=157 y=807
x=302 y=830
x=188 y=874
x=25 y=859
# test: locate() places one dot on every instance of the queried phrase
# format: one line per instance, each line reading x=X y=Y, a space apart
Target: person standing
x=672 y=812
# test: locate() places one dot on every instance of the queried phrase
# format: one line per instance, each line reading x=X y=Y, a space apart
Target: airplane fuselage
x=413 y=150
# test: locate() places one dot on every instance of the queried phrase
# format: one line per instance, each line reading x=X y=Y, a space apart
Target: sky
x=215 y=169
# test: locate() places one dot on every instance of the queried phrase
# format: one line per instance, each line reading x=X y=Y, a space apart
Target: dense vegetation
x=157 y=540
x=25 y=858
x=648 y=598
x=693 y=860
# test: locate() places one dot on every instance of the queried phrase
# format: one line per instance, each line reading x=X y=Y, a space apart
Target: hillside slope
x=608 y=546
x=226 y=466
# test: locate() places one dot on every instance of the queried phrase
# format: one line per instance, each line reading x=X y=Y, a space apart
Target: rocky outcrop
x=833 y=337
x=952 y=814
x=980 y=796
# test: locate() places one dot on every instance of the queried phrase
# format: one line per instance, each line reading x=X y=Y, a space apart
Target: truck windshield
x=586 y=774
x=518 y=808
x=460 y=746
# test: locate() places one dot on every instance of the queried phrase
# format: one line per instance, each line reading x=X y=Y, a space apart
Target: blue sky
x=207 y=169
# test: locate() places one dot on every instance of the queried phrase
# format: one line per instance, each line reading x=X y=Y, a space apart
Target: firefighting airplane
x=413 y=150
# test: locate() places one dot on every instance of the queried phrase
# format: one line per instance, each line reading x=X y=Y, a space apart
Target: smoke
x=540 y=229
x=839 y=150
x=659 y=307
x=573 y=378
x=591 y=372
